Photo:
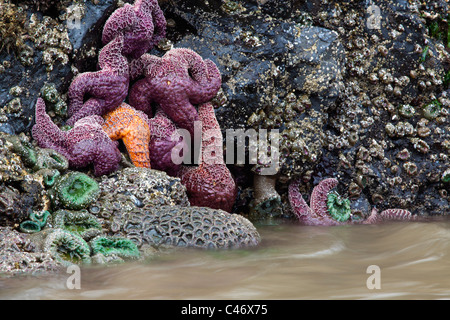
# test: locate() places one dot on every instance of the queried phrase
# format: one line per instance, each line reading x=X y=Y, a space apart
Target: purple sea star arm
x=176 y=81
x=101 y=154
x=159 y=23
x=144 y=66
x=397 y=214
x=164 y=137
x=110 y=57
x=206 y=88
x=140 y=97
x=319 y=195
x=142 y=24
x=46 y=133
x=298 y=204
x=119 y=22
x=389 y=215
x=106 y=88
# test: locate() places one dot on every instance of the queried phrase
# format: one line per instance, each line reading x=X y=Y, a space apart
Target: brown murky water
x=293 y=262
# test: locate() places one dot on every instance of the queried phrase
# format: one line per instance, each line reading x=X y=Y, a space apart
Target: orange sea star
x=132 y=127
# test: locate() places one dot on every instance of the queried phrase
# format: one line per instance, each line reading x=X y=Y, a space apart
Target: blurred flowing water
x=292 y=262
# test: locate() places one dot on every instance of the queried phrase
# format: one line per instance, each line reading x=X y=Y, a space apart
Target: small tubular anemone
x=24 y=149
x=122 y=247
x=36 y=222
x=74 y=191
x=338 y=207
x=67 y=247
x=50 y=159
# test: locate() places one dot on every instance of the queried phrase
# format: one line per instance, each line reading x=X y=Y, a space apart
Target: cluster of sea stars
x=175 y=82
x=327 y=208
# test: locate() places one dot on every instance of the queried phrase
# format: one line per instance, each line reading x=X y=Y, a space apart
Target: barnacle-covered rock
x=134 y=188
x=11 y=166
x=18 y=201
x=199 y=227
x=20 y=255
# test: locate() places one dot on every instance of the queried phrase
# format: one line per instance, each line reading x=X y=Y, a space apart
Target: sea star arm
x=298 y=204
x=319 y=195
x=110 y=57
x=101 y=154
x=119 y=22
x=132 y=127
x=159 y=23
x=140 y=96
x=46 y=133
x=389 y=215
x=206 y=88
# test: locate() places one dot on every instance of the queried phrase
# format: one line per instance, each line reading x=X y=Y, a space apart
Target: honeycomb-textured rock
x=198 y=227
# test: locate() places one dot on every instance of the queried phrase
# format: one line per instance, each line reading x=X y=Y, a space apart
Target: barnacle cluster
x=12 y=27
x=390 y=124
x=52 y=39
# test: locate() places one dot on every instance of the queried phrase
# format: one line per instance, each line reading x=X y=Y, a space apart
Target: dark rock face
x=262 y=59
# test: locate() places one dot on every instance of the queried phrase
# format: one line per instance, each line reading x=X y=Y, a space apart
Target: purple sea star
x=105 y=89
x=142 y=24
x=176 y=81
x=318 y=213
x=164 y=139
x=211 y=183
x=86 y=143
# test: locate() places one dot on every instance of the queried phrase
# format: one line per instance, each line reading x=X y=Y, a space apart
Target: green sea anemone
x=80 y=222
x=49 y=176
x=122 y=247
x=338 y=207
x=446 y=176
x=74 y=191
x=30 y=226
x=24 y=149
x=67 y=247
